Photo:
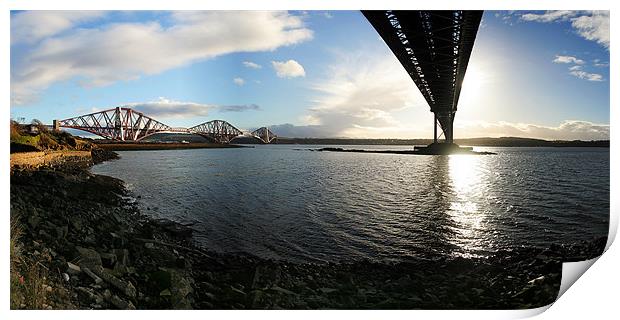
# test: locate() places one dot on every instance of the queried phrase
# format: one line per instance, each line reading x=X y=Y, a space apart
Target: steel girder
x=123 y=124
x=218 y=131
x=434 y=47
x=264 y=135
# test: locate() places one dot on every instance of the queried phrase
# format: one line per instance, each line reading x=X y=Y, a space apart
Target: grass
x=28 y=276
x=45 y=139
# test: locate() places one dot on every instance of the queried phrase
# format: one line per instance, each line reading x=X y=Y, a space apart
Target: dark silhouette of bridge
x=434 y=47
x=126 y=124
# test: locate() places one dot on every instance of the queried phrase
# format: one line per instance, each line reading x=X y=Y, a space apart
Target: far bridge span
x=126 y=124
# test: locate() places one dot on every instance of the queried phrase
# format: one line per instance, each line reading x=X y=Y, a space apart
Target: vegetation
x=37 y=137
x=29 y=286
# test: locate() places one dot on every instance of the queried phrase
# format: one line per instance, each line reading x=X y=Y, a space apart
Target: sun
x=473 y=82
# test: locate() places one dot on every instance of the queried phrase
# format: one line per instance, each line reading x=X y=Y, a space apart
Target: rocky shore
x=101 y=252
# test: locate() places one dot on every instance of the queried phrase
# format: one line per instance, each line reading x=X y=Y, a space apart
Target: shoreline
x=89 y=228
x=163 y=146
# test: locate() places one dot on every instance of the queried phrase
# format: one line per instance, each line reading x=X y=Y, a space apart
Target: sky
x=537 y=74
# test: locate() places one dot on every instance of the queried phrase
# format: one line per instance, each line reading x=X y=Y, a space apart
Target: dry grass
x=28 y=277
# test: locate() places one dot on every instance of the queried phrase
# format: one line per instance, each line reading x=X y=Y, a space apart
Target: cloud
x=252 y=65
x=239 y=81
x=288 y=69
x=594 y=27
x=238 y=108
x=32 y=26
x=586 y=75
x=591 y=25
x=166 y=108
x=358 y=98
x=577 y=69
x=566 y=130
x=126 y=51
x=567 y=59
x=550 y=16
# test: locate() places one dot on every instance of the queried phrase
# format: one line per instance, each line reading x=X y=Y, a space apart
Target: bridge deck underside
x=434 y=47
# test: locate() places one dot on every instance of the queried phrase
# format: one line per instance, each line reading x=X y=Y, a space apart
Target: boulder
x=73 y=269
x=124 y=286
x=88 y=258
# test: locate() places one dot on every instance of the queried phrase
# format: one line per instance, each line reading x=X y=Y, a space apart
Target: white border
x=594 y=294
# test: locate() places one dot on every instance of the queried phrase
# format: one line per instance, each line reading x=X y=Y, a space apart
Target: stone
x=65 y=277
x=108 y=260
x=121 y=304
x=73 y=269
x=165 y=293
x=149 y=245
x=61 y=232
x=93 y=276
x=124 y=286
x=282 y=290
x=327 y=290
x=88 y=258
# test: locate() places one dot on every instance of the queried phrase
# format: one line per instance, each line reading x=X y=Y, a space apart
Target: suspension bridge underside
x=434 y=48
x=126 y=124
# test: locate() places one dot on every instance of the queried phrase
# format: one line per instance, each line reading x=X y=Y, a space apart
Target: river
x=285 y=202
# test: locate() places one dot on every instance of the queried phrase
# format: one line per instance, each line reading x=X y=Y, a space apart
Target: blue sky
x=308 y=74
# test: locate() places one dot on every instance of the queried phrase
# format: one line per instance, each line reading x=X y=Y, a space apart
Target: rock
x=121 y=304
x=124 y=286
x=165 y=293
x=65 y=277
x=149 y=245
x=92 y=275
x=33 y=221
x=88 y=258
x=108 y=260
x=282 y=290
x=122 y=260
x=236 y=293
x=117 y=241
x=61 y=232
x=256 y=299
x=73 y=269
x=89 y=293
x=327 y=290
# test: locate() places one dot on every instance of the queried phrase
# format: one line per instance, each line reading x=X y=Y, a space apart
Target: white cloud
x=126 y=51
x=577 y=69
x=252 y=65
x=358 y=98
x=288 y=69
x=550 y=16
x=594 y=27
x=567 y=59
x=567 y=130
x=591 y=25
x=32 y=26
x=166 y=108
x=239 y=81
x=587 y=75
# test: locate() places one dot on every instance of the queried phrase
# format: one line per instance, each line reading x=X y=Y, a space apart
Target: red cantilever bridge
x=126 y=124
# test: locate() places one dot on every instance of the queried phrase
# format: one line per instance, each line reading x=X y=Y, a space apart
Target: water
x=276 y=202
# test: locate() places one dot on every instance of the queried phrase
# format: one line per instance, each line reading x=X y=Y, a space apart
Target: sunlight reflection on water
x=277 y=202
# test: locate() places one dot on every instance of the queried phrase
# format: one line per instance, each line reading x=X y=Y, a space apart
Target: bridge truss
x=122 y=124
x=434 y=47
x=264 y=135
x=218 y=131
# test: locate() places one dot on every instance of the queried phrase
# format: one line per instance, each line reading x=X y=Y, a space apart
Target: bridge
x=126 y=124
x=434 y=48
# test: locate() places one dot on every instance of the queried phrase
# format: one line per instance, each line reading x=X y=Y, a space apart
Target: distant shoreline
x=478 y=142
x=161 y=146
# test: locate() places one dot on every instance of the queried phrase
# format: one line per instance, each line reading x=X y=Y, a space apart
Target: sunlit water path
x=277 y=202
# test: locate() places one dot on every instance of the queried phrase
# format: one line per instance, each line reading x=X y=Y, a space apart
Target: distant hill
x=481 y=142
